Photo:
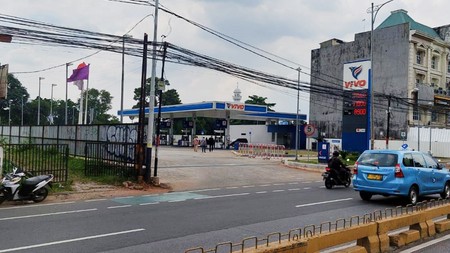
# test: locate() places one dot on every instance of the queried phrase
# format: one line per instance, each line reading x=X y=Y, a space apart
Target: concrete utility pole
x=374 y=11
x=151 y=106
x=297 y=116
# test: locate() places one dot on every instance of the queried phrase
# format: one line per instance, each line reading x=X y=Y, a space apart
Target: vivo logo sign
x=356 y=75
x=235 y=106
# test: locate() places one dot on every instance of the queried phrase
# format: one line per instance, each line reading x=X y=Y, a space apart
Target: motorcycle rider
x=338 y=168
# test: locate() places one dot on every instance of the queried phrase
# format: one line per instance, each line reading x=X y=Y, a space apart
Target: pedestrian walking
x=203 y=145
x=195 y=142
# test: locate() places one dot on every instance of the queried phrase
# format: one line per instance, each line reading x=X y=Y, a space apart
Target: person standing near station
x=203 y=145
x=211 y=144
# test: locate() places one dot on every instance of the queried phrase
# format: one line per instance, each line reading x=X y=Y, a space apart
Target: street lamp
x=51 y=104
x=297 y=116
x=21 y=120
x=9 y=113
x=67 y=84
x=39 y=102
x=374 y=11
x=123 y=75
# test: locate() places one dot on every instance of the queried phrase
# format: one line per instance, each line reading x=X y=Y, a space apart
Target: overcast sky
x=286 y=28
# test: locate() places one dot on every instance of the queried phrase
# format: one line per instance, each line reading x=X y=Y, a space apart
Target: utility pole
x=158 y=122
x=151 y=106
x=388 y=121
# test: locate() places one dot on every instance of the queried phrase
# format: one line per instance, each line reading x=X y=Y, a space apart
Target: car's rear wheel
x=446 y=193
x=365 y=195
x=413 y=195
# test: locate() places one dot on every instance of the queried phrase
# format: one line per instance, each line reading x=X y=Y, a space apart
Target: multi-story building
x=411 y=73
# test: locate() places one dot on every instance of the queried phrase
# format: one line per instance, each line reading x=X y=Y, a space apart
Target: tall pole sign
x=355 y=118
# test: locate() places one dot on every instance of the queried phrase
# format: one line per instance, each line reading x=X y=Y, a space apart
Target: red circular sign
x=309 y=130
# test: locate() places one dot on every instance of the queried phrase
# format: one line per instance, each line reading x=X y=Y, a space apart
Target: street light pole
x=374 y=11
x=67 y=84
x=39 y=102
x=9 y=113
x=123 y=75
x=21 y=119
x=51 y=104
x=297 y=116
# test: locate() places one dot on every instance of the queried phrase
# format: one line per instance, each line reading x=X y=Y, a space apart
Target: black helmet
x=336 y=153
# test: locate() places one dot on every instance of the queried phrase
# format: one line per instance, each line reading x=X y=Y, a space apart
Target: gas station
x=280 y=124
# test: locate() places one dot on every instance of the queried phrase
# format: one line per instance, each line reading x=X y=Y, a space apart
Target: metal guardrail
x=308 y=231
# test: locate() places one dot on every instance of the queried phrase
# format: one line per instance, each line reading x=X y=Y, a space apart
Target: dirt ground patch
x=87 y=191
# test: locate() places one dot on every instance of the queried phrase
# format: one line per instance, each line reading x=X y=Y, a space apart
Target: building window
x=416 y=115
x=418 y=57
x=434 y=117
x=448 y=67
x=433 y=62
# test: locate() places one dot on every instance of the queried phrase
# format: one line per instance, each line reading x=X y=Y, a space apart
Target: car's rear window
x=378 y=159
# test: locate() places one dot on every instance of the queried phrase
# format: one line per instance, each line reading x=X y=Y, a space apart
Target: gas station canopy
x=217 y=109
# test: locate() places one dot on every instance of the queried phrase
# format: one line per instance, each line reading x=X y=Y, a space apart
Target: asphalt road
x=218 y=198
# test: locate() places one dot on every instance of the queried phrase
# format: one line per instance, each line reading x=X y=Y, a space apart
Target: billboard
x=3 y=81
x=355 y=117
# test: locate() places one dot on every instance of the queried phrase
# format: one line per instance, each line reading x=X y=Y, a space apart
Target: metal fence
x=115 y=159
x=38 y=159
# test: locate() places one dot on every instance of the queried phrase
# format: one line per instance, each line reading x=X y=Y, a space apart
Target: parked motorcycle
x=331 y=180
x=17 y=186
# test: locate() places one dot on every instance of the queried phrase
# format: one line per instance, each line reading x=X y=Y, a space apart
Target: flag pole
x=80 y=115
x=86 y=98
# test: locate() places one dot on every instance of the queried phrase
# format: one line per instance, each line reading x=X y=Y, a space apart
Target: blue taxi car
x=402 y=173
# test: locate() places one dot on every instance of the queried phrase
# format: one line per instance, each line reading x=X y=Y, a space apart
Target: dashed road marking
x=114 y=207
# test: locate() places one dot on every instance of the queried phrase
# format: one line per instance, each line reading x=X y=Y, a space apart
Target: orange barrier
x=265 y=151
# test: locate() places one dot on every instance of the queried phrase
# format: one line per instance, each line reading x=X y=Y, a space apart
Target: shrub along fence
x=38 y=159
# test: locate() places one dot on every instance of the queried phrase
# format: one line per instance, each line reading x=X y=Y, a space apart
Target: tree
x=99 y=102
x=257 y=100
x=169 y=97
x=16 y=94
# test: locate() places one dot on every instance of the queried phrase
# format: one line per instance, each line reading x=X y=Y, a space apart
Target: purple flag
x=80 y=73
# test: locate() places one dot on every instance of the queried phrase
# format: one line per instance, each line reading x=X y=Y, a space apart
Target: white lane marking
x=52 y=204
x=294 y=183
x=424 y=245
x=322 y=186
x=113 y=207
x=223 y=196
x=324 y=202
x=232 y=187
x=94 y=200
x=306 y=188
x=278 y=191
x=72 y=240
x=204 y=190
x=319 y=181
x=261 y=192
x=279 y=184
x=174 y=201
x=307 y=182
x=47 y=214
x=248 y=186
x=127 y=197
x=263 y=185
x=294 y=189
x=150 y=203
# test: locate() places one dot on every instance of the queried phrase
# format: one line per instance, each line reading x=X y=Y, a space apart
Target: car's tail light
x=398 y=171
x=355 y=169
x=327 y=169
